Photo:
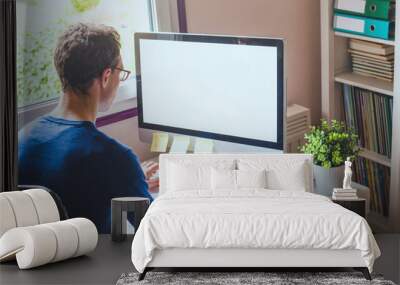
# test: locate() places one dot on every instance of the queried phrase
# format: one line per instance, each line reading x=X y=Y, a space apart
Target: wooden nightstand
x=356 y=205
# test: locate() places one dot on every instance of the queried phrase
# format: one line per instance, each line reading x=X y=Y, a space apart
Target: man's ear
x=105 y=77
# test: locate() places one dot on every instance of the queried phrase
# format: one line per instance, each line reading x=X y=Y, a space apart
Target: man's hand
x=149 y=169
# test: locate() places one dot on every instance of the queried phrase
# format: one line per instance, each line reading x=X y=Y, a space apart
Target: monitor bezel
x=240 y=40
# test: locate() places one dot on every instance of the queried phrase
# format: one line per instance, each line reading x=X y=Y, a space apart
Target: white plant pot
x=325 y=179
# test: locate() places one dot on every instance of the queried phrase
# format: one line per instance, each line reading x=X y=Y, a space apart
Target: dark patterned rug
x=231 y=278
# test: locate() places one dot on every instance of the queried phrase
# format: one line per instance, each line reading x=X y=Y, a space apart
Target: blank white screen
x=219 y=88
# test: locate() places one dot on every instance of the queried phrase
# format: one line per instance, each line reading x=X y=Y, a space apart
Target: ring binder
x=378 y=9
x=363 y=26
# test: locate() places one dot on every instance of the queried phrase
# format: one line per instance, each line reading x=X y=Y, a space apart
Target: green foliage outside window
x=37 y=79
x=331 y=144
x=84 y=5
x=39 y=24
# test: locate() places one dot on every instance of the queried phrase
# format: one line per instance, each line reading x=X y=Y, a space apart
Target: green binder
x=378 y=9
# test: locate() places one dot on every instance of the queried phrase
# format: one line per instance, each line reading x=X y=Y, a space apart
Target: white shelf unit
x=381 y=41
x=370 y=83
x=371 y=155
x=336 y=70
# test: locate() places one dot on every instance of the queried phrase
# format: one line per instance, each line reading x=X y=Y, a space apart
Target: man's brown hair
x=83 y=52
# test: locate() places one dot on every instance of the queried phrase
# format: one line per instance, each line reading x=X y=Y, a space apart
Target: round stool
x=119 y=209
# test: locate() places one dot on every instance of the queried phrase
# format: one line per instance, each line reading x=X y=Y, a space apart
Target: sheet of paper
x=203 y=146
x=180 y=144
x=159 y=142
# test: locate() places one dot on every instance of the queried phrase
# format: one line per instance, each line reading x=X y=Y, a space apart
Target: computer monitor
x=224 y=88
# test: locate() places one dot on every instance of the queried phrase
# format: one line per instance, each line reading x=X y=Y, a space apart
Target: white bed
x=201 y=220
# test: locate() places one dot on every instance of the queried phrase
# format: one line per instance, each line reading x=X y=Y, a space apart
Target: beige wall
x=297 y=21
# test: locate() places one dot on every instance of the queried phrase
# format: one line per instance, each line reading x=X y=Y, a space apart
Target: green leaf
x=330 y=143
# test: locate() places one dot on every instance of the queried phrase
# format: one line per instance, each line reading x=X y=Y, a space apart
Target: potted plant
x=330 y=144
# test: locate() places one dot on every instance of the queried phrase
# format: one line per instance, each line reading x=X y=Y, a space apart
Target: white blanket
x=250 y=219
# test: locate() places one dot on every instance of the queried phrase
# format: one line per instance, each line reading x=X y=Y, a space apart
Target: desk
x=102 y=266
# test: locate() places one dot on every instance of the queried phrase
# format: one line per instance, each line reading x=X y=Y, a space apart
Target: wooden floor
x=110 y=260
x=389 y=262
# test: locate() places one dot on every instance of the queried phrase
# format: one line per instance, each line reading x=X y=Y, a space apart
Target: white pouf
x=31 y=231
x=37 y=245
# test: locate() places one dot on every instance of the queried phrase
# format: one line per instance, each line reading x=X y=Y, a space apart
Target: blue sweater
x=85 y=167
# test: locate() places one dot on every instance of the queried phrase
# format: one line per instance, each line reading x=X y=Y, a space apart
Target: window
x=40 y=22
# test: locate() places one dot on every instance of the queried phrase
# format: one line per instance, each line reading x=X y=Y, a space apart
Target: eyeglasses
x=124 y=74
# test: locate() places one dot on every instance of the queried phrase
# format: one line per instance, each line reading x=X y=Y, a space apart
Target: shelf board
x=375 y=40
x=379 y=158
x=365 y=82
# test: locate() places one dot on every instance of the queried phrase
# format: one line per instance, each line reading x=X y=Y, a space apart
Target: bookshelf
x=336 y=71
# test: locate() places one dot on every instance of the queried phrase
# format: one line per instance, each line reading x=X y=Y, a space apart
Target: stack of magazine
x=344 y=194
x=372 y=59
x=377 y=178
x=370 y=115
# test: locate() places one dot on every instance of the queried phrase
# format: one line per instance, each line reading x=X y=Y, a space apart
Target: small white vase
x=325 y=179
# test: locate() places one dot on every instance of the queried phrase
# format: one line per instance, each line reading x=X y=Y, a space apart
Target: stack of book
x=377 y=178
x=372 y=59
x=369 y=114
x=344 y=194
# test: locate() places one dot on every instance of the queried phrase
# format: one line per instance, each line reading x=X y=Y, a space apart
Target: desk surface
x=102 y=266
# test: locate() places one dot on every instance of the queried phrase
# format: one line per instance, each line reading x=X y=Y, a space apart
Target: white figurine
x=347 y=174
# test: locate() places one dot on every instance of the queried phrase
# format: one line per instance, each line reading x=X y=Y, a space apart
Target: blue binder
x=363 y=26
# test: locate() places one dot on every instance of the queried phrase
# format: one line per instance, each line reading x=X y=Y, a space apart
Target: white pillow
x=181 y=177
x=282 y=174
x=251 y=178
x=223 y=179
x=227 y=179
x=185 y=175
x=290 y=179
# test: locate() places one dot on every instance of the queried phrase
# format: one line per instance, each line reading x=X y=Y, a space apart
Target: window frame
x=163 y=17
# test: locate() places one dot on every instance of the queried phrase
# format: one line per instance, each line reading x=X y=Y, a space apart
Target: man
x=64 y=151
